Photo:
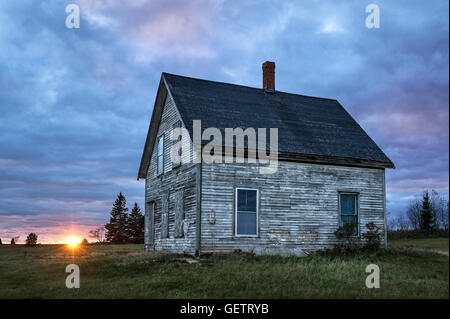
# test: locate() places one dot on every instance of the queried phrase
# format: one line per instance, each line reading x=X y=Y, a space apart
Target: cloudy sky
x=76 y=103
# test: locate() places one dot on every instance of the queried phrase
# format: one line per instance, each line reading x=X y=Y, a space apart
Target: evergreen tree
x=31 y=239
x=426 y=215
x=13 y=242
x=116 y=229
x=136 y=225
x=0 y=241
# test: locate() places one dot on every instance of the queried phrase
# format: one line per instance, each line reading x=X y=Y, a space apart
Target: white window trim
x=157 y=156
x=236 y=211
x=356 y=194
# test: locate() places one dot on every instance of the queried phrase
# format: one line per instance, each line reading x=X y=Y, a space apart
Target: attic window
x=175 y=164
x=160 y=161
x=246 y=210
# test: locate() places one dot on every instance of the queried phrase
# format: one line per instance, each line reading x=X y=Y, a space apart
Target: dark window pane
x=348 y=203
x=348 y=219
x=246 y=223
x=246 y=200
x=160 y=157
x=160 y=164
x=161 y=145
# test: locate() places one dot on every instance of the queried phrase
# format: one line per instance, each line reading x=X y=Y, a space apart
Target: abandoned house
x=329 y=172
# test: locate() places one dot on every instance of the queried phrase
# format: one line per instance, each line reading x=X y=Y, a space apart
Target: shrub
x=352 y=243
x=348 y=233
x=372 y=237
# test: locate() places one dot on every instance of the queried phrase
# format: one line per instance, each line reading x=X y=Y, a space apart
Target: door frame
x=150 y=226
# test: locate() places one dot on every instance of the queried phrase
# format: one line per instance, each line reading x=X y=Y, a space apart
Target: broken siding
x=164 y=191
x=298 y=205
x=165 y=215
x=179 y=214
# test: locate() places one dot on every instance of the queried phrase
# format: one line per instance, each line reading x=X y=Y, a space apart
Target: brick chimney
x=269 y=76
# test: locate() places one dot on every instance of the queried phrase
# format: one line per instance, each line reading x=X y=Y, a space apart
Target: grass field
x=439 y=245
x=413 y=269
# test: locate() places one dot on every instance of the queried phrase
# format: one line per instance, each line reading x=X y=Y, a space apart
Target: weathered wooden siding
x=298 y=205
x=174 y=182
x=169 y=118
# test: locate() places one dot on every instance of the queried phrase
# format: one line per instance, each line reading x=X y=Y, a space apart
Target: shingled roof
x=308 y=126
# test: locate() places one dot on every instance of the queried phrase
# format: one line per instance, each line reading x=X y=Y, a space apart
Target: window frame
x=236 y=212
x=178 y=124
x=356 y=194
x=161 y=137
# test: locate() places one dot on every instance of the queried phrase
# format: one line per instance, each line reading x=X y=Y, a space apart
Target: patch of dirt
x=60 y=256
x=86 y=255
x=441 y=252
x=191 y=261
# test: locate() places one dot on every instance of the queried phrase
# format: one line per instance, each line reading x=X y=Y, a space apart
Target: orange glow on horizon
x=62 y=234
x=73 y=241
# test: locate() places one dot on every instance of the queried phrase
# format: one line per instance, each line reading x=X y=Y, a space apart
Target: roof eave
x=334 y=160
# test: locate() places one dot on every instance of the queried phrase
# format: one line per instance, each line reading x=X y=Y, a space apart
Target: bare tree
x=402 y=222
x=98 y=234
x=413 y=213
x=390 y=221
x=444 y=217
x=391 y=224
x=439 y=208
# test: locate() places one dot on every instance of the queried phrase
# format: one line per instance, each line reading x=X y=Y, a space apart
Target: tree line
x=426 y=213
x=31 y=240
x=123 y=227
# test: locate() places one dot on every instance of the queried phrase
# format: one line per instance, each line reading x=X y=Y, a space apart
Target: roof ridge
x=246 y=86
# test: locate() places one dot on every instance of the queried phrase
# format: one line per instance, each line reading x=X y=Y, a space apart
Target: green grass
x=427 y=244
x=123 y=271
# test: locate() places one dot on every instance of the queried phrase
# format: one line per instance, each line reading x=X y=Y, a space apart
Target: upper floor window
x=160 y=160
x=348 y=206
x=246 y=214
x=175 y=164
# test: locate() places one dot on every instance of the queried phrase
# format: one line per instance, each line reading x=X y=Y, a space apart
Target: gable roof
x=309 y=126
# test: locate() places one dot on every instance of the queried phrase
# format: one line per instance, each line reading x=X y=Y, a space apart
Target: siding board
x=175 y=181
x=298 y=205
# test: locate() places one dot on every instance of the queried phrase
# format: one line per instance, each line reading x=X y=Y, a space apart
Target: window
x=246 y=212
x=177 y=124
x=160 y=162
x=348 y=206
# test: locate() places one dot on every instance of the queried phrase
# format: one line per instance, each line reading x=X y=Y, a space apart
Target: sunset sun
x=72 y=241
